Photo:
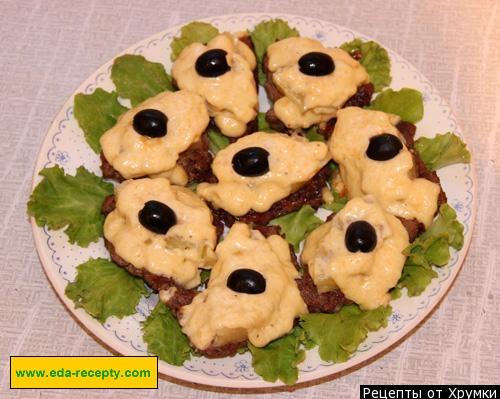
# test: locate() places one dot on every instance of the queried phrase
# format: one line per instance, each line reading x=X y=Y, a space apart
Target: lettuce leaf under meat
x=194 y=32
x=375 y=60
x=338 y=335
x=337 y=203
x=266 y=33
x=138 y=79
x=163 y=335
x=297 y=225
x=61 y=200
x=442 y=150
x=313 y=135
x=407 y=103
x=432 y=248
x=217 y=141
x=279 y=358
x=96 y=113
x=104 y=289
x=262 y=125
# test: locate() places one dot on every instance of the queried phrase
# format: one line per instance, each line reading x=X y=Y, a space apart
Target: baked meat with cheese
x=223 y=73
x=374 y=159
x=160 y=231
x=309 y=83
x=359 y=251
x=251 y=295
x=150 y=139
x=258 y=171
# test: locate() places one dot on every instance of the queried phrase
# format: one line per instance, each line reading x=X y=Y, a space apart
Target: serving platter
x=64 y=145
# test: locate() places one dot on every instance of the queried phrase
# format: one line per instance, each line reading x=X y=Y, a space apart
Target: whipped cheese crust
x=363 y=277
x=232 y=97
x=309 y=100
x=392 y=182
x=186 y=247
x=220 y=315
x=135 y=155
x=293 y=160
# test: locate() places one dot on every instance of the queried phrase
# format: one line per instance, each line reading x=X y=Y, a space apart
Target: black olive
x=251 y=162
x=150 y=122
x=212 y=63
x=383 y=147
x=316 y=64
x=247 y=281
x=360 y=236
x=157 y=217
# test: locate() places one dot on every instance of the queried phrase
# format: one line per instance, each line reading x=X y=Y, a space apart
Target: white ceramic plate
x=64 y=145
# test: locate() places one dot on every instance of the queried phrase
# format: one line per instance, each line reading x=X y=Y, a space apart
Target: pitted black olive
x=247 y=281
x=157 y=217
x=251 y=162
x=383 y=147
x=360 y=236
x=316 y=64
x=212 y=63
x=150 y=122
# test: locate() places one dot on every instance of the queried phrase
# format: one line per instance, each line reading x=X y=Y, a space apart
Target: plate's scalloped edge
x=349 y=34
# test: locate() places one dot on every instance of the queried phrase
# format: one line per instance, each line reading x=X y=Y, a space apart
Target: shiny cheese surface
x=364 y=278
x=177 y=175
x=220 y=315
x=134 y=155
x=309 y=100
x=232 y=97
x=186 y=247
x=293 y=160
x=392 y=182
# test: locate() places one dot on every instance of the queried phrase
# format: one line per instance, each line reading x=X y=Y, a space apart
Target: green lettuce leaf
x=407 y=103
x=307 y=342
x=297 y=225
x=194 y=32
x=192 y=186
x=333 y=166
x=431 y=249
x=338 y=202
x=265 y=34
x=313 y=135
x=217 y=141
x=375 y=60
x=446 y=225
x=164 y=337
x=96 y=113
x=416 y=278
x=104 y=289
x=138 y=79
x=61 y=200
x=395 y=293
x=442 y=150
x=279 y=358
x=243 y=349
x=338 y=335
x=204 y=276
x=262 y=124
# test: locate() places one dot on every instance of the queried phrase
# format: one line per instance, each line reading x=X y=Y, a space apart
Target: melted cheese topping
x=135 y=155
x=309 y=99
x=293 y=160
x=177 y=175
x=179 y=253
x=232 y=97
x=364 y=278
x=391 y=181
x=220 y=315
